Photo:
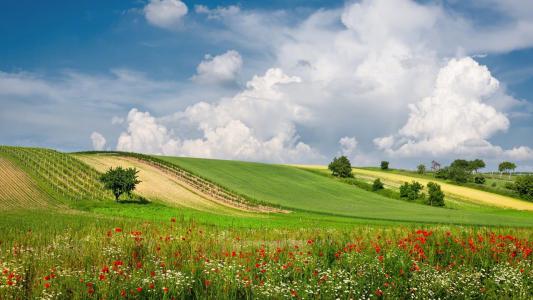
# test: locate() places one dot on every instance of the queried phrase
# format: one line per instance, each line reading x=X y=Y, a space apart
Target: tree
x=341 y=167
x=120 y=181
x=523 y=185
x=476 y=164
x=458 y=174
x=411 y=191
x=460 y=163
x=506 y=166
x=435 y=195
x=377 y=185
x=384 y=165
x=421 y=169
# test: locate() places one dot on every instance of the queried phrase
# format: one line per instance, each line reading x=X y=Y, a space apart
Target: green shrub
x=435 y=195
x=509 y=186
x=341 y=167
x=411 y=191
x=524 y=186
x=384 y=165
x=479 y=179
x=377 y=185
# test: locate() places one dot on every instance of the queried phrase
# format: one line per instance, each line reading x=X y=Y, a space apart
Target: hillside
x=18 y=190
x=160 y=185
x=298 y=189
x=462 y=192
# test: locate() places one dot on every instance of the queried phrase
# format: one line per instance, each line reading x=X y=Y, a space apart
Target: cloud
x=219 y=12
x=455 y=118
x=219 y=69
x=165 y=13
x=348 y=145
x=98 y=141
x=145 y=135
x=255 y=124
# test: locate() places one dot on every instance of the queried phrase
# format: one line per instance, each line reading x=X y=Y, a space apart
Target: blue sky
x=280 y=81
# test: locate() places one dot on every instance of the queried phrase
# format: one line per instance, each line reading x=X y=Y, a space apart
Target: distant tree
x=523 y=185
x=435 y=166
x=479 y=179
x=411 y=191
x=384 y=165
x=477 y=164
x=341 y=167
x=435 y=195
x=458 y=174
x=119 y=181
x=421 y=169
x=442 y=173
x=506 y=166
x=460 y=163
x=377 y=185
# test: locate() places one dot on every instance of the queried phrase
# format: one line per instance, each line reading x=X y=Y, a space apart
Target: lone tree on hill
x=506 y=166
x=341 y=167
x=384 y=165
x=421 y=169
x=120 y=180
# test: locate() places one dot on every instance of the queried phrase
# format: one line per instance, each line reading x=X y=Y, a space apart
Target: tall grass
x=85 y=257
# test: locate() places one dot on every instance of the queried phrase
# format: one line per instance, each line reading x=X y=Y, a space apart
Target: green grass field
x=302 y=190
x=339 y=240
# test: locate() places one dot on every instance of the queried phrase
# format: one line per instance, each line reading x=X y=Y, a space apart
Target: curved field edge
x=303 y=191
x=224 y=192
x=161 y=185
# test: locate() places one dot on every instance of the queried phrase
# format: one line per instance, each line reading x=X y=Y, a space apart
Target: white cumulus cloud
x=220 y=68
x=144 y=134
x=255 y=124
x=456 y=118
x=98 y=141
x=165 y=13
x=348 y=145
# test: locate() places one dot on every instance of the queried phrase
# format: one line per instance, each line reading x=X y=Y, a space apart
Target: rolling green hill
x=61 y=175
x=302 y=190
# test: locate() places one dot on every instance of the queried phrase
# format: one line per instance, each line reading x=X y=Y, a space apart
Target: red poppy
x=47 y=285
x=139 y=289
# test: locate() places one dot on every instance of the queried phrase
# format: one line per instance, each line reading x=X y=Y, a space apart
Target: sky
x=274 y=81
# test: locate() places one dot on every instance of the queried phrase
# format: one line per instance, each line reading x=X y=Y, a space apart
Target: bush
x=421 y=169
x=458 y=174
x=341 y=167
x=493 y=184
x=411 y=191
x=524 y=186
x=479 y=179
x=442 y=173
x=435 y=195
x=384 y=165
x=509 y=186
x=377 y=185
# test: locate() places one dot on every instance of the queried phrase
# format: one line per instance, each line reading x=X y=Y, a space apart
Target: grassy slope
x=158 y=185
x=457 y=191
x=18 y=190
x=301 y=190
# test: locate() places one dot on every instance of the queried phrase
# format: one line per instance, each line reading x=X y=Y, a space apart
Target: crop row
x=65 y=175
